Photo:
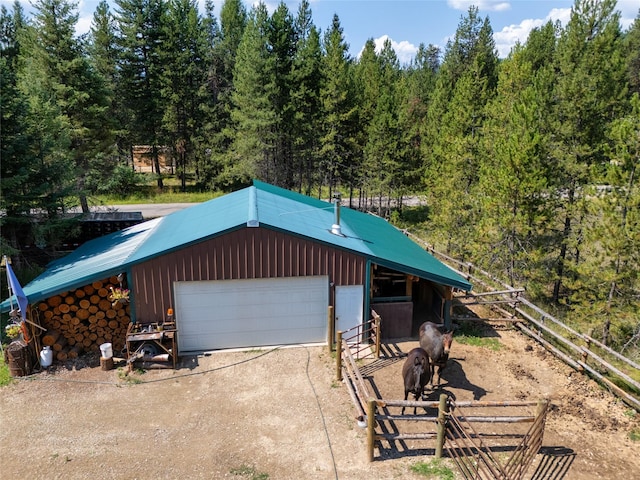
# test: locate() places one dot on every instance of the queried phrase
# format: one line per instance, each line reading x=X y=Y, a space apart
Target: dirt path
x=281 y=414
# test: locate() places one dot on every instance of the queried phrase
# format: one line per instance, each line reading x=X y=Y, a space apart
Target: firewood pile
x=83 y=319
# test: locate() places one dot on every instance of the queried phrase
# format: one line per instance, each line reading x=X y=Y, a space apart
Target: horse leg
x=418 y=396
x=432 y=367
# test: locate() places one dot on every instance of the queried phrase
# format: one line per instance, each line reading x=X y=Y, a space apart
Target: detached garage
x=261 y=266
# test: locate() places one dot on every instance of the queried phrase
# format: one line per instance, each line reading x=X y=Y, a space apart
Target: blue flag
x=16 y=288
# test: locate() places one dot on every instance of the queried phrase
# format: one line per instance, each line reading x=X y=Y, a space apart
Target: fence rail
x=458 y=433
x=578 y=350
x=350 y=342
x=475 y=457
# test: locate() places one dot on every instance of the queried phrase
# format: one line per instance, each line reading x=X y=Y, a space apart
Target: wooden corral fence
x=350 y=346
x=585 y=354
x=473 y=450
x=476 y=458
x=478 y=453
x=364 y=337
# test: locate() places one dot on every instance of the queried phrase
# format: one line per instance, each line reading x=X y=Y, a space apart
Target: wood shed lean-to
x=260 y=266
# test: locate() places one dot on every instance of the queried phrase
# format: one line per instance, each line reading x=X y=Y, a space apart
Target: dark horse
x=437 y=345
x=416 y=374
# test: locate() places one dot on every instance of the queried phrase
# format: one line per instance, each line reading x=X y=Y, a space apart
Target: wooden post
x=331 y=328
x=442 y=424
x=448 y=306
x=339 y=356
x=371 y=425
x=408 y=288
x=378 y=324
x=585 y=356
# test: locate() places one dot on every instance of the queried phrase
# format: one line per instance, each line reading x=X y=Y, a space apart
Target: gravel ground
x=280 y=414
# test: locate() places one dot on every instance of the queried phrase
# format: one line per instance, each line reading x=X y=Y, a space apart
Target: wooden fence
x=585 y=354
x=477 y=459
x=350 y=347
x=478 y=454
x=472 y=449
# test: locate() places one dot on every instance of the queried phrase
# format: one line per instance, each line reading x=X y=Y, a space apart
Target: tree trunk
x=156 y=165
x=81 y=194
x=563 y=248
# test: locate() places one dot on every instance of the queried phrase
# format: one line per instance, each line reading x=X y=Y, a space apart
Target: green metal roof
x=259 y=205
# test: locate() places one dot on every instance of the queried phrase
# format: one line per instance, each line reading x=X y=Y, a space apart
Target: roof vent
x=335 y=228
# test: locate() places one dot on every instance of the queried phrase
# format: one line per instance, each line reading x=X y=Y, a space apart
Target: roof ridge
x=159 y=221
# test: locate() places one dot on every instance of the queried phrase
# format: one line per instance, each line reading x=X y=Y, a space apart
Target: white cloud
x=84 y=24
x=404 y=50
x=507 y=37
x=489 y=5
x=562 y=14
x=271 y=6
x=629 y=10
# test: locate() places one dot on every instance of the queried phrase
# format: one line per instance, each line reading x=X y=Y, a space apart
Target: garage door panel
x=245 y=313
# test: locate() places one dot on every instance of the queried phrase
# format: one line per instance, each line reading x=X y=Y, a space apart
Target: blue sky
x=407 y=23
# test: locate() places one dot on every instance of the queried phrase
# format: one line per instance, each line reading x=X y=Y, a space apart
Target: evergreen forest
x=527 y=165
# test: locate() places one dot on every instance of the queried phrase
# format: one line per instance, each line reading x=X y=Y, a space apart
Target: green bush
x=122 y=182
x=5 y=377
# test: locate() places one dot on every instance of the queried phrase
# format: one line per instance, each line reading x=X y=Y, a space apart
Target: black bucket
x=17 y=358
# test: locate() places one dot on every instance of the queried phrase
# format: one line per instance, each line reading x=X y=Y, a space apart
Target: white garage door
x=246 y=313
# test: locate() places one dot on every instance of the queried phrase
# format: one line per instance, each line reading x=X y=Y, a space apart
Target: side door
x=349 y=306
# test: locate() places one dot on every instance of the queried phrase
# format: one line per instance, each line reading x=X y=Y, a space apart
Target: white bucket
x=106 y=350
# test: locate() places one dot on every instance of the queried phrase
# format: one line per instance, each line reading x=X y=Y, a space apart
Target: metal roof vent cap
x=335 y=228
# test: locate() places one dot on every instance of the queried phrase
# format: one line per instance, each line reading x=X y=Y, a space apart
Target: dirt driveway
x=280 y=414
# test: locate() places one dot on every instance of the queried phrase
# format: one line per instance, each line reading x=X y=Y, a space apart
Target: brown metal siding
x=243 y=254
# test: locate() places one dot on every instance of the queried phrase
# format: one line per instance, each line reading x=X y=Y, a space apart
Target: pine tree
x=224 y=41
x=182 y=79
x=415 y=95
x=589 y=88
x=252 y=152
x=338 y=109
x=282 y=50
x=515 y=177
x=382 y=149
x=19 y=174
x=306 y=78
x=367 y=84
x=233 y=21
x=606 y=290
x=102 y=47
x=102 y=50
x=58 y=60
x=466 y=82
x=36 y=169
x=141 y=29
x=632 y=50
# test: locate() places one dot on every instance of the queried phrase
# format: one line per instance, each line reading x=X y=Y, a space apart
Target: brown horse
x=437 y=346
x=416 y=374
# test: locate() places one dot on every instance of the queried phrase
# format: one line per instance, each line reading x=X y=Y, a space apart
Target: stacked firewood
x=83 y=319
